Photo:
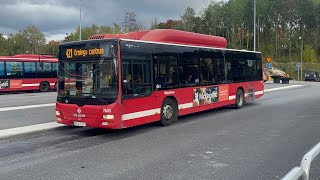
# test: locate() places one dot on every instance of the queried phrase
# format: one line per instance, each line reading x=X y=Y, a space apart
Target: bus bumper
x=89 y=116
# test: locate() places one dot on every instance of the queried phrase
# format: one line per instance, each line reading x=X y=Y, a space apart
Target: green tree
x=86 y=32
x=35 y=37
x=3 y=45
x=189 y=19
x=18 y=44
x=170 y=24
x=213 y=17
x=309 y=54
x=51 y=48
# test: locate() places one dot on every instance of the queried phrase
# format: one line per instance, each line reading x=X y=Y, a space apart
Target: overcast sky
x=55 y=18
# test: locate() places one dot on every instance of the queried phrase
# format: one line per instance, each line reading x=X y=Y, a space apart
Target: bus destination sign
x=76 y=53
x=89 y=49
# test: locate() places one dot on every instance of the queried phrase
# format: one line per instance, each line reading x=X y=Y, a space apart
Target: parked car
x=311 y=75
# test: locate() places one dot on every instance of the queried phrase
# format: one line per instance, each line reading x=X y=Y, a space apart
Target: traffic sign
x=268 y=65
x=298 y=65
x=269 y=59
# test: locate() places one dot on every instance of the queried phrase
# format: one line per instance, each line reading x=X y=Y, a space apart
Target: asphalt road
x=26 y=98
x=264 y=140
x=25 y=117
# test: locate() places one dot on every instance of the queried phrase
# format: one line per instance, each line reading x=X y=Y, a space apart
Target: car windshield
x=89 y=79
x=309 y=72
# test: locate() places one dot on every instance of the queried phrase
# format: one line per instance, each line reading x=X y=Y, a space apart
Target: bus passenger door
x=138 y=100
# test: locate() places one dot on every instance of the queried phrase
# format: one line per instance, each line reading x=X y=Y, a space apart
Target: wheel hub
x=167 y=111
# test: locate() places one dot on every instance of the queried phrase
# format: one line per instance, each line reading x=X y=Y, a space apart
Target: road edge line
x=4 y=133
x=283 y=88
x=26 y=107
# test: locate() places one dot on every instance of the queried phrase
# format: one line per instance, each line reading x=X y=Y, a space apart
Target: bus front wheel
x=169 y=112
x=44 y=86
x=239 y=99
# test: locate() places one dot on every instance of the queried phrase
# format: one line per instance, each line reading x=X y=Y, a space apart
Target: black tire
x=44 y=87
x=239 y=99
x=169 y=112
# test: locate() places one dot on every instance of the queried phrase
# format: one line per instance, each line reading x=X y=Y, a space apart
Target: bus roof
x=169 y=36
x=29 y=58
x=196 y=46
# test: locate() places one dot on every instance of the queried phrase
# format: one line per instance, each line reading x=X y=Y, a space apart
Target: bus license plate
x=76 y=123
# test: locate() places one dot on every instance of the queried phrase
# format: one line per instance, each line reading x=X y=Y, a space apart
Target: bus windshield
x=95 y=79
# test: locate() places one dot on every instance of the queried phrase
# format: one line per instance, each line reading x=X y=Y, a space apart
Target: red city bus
x=120 y=81
x=28 y=72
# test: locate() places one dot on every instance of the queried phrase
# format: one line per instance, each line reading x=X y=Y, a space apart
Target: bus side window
x=219 y=63
x=45 y=71
x=126 y=78
x=54 y=71
x=166 y=76
x=14 y=70
x=141 y=79
x=30 y=70
x=189 y=65
x=1 y=70
x=207 y=75
x=136 y=76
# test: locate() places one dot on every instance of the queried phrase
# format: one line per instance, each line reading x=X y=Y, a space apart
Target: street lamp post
x=301 y=55
x=80 y=20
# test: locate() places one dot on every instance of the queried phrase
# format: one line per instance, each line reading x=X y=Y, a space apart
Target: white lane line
x=26 y=107
x=28 y=129
x=282 y=88
x=12 y=96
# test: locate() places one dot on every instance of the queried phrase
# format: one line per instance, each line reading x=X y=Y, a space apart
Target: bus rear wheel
x=44 y=87
x=169 y=112
x=239 y=99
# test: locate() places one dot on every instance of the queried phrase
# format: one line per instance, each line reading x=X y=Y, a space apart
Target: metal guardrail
x=303 y=170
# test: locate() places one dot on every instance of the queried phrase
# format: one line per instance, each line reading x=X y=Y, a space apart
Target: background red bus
x=28 y=72
x=120 y=82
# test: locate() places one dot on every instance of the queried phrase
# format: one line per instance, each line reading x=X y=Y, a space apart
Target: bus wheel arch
x=169 y=111
x=239 y=98
x=44 y=86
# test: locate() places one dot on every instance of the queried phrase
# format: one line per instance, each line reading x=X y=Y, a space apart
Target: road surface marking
x=52 y=125
x=180 y=106
x=16 y=96
x=28 y=129
x=282 y=88
x=26 y=107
